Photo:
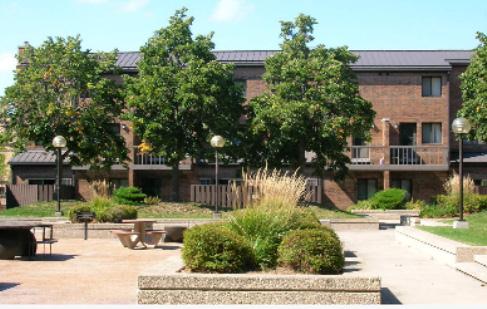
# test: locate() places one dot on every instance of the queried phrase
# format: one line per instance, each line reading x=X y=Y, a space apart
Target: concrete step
x=480 y=259
x=473 y=270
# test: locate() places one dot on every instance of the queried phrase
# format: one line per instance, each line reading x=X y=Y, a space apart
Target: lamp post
x=59 y=142
x=460 y=126
x=217 y=142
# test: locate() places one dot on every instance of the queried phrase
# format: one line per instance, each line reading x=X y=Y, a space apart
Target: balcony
x=399 y=158
x=150 y=161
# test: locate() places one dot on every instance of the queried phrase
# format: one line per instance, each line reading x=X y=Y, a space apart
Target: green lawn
x=476 y=234
x=164 y=210
x=44 y=209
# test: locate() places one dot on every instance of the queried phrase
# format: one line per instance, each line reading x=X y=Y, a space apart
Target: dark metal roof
x=471 y=157
x=368 y=59
x=35 y=157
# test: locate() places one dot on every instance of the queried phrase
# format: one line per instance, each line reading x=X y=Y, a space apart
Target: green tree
x=182 y=95
x=60 y=89
x=312 y=103
x=474 y=90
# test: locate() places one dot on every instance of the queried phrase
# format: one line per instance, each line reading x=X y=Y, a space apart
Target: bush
x=389 y=199
x=99 y=204
x=215 y=248
x=75 y=210
x=312 y=251
x=416 y=205
x=129 y=196
x=264 y=228
x=364 y=205
x=438 y=211
x=152 y=200
x=117 y=213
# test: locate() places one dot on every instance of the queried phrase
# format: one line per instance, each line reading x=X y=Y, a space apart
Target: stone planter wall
x=386 y=214
x=189 y=288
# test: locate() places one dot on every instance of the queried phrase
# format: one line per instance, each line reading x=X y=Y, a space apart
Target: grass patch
x=37 y=210
x=327 y=213
x=476 y=234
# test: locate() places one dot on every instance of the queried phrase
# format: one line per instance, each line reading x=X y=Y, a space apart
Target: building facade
x=415 y=94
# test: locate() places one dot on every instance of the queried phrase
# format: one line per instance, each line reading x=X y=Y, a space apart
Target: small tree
x=182 y=95
x=313 y=103
x=60 y=89
x=474 y=90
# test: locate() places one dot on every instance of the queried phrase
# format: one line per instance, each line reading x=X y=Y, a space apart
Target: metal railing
x=142 y=158
x=399 y=155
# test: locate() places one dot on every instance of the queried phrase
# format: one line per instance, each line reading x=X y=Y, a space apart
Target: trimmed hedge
x=264 y=228
x=117 y=213
x=129 y=196
x=317 y=251
x=215 y=248
x=389 y=199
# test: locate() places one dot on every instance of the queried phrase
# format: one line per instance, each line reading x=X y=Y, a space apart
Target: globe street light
x=217 y=142
x=460 y=126
x=58 y=142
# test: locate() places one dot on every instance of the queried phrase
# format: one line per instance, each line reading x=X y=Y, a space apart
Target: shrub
x=129 y=196
x=365 y=205
x=264 y=228
x=75 y=210
x=117 y=213
x=416 y=204
x=152 y=200
x=312 y=251
x=99 y=204
x=445 y=206
x=215 y=248
x=452 y=185
x=389 y=199
x=101 y=188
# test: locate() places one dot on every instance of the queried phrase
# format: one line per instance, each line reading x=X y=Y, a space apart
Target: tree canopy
x=474 y=91
x=182 y=96
x=60 y=89
x=312 y=103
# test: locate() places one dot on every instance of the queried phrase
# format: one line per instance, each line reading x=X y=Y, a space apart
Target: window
x=119 y=182
x=405 y=184
x=366 y=188
x=431 y=86
x=312 y=182
x=431 y=133
x=360 y=153
x=243 y=85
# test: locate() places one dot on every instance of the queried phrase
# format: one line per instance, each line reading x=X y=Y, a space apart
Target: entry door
x=407 y=134
x=151 y=186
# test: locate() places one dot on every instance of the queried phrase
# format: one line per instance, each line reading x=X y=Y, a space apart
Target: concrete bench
x=153 y=237
x=127 y=238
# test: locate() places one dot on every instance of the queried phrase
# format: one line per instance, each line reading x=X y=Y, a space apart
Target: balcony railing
x=399 y=155
x=142 y=158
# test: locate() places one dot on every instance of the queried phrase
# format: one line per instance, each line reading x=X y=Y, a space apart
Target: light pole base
x=457 y=224
x=217 y=215
x=58 y=214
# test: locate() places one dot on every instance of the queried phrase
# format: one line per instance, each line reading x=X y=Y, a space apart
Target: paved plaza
x=101 y=271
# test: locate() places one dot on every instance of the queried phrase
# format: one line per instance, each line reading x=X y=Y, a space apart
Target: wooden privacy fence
x=23 y=194
x=236 y=197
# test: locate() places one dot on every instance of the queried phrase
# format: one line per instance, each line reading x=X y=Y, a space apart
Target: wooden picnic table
x=17 y=239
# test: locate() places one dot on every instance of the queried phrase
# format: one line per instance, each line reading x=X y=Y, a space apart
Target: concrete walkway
x=408 y=275
x=96 y=271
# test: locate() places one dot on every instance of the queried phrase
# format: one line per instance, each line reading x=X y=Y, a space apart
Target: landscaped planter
x=394 y=214
x=193 y=288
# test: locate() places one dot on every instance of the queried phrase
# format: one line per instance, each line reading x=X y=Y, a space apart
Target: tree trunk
x=175 y=182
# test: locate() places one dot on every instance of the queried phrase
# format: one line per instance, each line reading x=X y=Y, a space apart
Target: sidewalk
x=408 y=275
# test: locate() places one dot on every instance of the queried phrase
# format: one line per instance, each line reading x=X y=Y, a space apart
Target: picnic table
x=142 y=233
x=17 y=239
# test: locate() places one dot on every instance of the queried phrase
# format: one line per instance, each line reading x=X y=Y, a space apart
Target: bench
x=153 y=237
x=126 y=238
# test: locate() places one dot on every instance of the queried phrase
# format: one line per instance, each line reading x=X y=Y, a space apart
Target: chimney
x=21 y=51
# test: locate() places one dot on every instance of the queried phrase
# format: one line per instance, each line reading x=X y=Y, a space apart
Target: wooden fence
x=236 y=197
x=23 y=194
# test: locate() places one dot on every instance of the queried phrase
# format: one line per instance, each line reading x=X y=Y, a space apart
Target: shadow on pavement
x=388 y=298
x=168 y=247
x=7 y=285
x=50 y=257
x=349 y=253
x=387 y=226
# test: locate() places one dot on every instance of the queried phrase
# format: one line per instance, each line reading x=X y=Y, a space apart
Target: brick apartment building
x=415 y=94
